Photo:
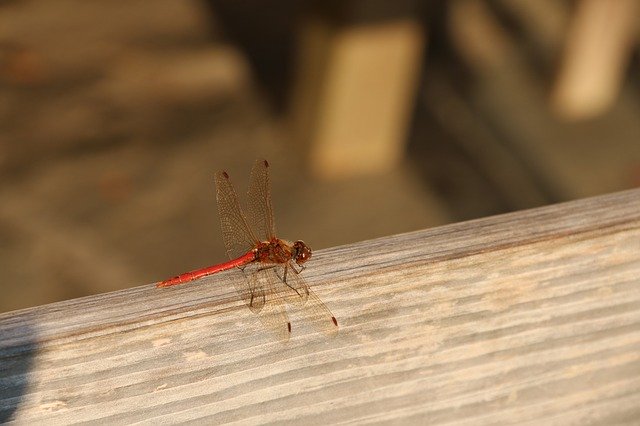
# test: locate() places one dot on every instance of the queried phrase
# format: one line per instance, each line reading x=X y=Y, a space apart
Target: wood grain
x=531 y=317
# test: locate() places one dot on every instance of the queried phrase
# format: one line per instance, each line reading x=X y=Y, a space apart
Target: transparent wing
x=251 y=289
x=259 y=209
x=236 y=234
x=273 y=314
x=316 y=312
x=293 y=288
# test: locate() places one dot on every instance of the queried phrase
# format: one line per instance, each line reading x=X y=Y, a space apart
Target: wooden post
x=354 y=95
x=597 y=51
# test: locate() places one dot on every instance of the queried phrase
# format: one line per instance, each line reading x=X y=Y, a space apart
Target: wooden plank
x=526 y=317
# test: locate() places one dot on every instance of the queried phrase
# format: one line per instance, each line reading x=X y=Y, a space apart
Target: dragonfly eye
x=302 y=252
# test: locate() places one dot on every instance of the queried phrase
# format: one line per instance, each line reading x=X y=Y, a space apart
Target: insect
x=272 y=266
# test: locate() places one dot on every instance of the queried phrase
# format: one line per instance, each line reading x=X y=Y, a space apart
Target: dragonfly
x=272 y=266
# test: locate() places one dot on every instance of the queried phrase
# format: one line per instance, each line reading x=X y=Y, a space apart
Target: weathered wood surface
x=526 y=317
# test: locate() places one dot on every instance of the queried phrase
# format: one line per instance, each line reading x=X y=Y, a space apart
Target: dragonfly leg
x=284 y=278
x=302 y=268
x=253 y=297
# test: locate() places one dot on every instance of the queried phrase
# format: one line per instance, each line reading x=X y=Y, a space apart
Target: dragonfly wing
x=316 y=312
x=251 y=289
x=236 y=234
x=291 y=286
x=259 y=208
x=273 y=315
x=322 y=319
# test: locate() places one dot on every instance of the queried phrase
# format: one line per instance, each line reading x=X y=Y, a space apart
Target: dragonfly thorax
x=281 y=251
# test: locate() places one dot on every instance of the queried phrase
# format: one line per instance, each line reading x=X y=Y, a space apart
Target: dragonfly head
x=301 y=252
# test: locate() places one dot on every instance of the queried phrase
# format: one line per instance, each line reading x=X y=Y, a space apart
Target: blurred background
x=377 y=117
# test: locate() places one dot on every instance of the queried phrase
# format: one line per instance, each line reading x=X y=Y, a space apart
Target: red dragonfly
x=271 y=266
